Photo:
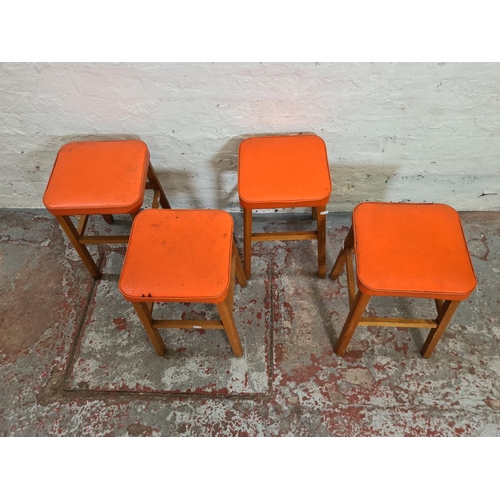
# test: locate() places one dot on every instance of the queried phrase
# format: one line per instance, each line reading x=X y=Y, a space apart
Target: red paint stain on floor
x=121 y=323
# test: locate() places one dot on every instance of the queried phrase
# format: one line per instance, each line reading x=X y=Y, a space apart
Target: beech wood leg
x=135 y=214
x=108 y=218
x=230 y=294
x=321 y=220
x=445 y=314
x=239 y=271
x=226 y=315
x=144 y=313
x=351 y=322
x=73 y=236
x=247 y=241
x=155 y=183
x=338 y=267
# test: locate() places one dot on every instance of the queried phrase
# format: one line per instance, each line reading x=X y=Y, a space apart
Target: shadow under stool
x=104 y=178
x=182 y=256
x=284 y=172
x=405 y=250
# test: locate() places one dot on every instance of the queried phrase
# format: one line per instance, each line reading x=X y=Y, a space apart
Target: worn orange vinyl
x=411 y=250
x=283 y=171
x=178 y=256
x=98 y=177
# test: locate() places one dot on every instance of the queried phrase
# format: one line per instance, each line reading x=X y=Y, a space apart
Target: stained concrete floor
x=75 y=361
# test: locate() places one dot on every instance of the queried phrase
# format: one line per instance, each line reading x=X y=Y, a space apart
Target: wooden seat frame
x=318 y=213
x=359 y=301
x=145 y=312
x=77 y=234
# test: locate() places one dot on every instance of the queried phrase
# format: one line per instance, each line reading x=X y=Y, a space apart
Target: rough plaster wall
x=418 y=132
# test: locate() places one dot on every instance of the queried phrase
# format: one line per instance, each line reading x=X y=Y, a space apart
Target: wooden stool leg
x=73 y=236
x=351 y=322
x=153 y=179
x=108 y=218
x=135 y=214
x=321 y=241
x=314 y=213
x=226 y=316
x=247 y=241
x=445 y=314
x=230 y=294
x=144 y=313
x=240 y=273
x=338 y=267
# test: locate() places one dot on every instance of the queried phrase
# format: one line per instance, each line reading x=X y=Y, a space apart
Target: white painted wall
x=405 y=131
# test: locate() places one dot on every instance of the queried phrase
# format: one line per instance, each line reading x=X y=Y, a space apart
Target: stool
x=405 y=250
x=100 y=177
x=182 y=256
x=284 y=172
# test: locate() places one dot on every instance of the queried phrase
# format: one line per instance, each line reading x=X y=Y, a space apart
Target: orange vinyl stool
x=284 y=172
x=182 y=256
x=405 y=250
x=100 y=177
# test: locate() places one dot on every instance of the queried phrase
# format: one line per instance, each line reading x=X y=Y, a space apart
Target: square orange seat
x=100 y=177
x=182 y=256
x=408 y=250
x=284 y=172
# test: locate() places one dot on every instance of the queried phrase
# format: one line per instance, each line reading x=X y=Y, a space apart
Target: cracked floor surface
x=74 y=360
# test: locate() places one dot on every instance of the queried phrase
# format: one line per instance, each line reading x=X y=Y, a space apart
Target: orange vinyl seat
x=284 y=172
x=182 y=256
x=406 y=250
x=100 y=177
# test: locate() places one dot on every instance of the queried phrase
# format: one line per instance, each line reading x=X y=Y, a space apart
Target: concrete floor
x=75 y=361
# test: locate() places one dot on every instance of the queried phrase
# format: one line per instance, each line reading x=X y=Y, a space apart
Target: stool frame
x=318 y=213
x=77 y=237
x=359 y=301
x=225 y=308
